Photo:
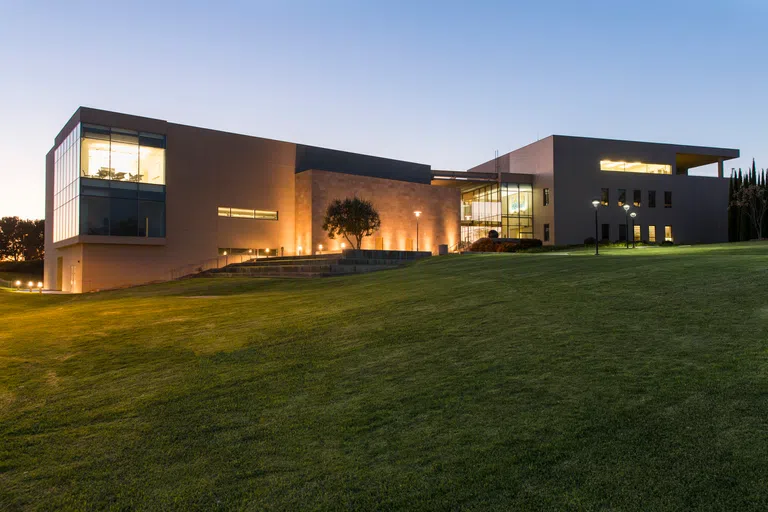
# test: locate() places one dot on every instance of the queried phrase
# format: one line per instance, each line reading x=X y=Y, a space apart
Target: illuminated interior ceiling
x=637 y=167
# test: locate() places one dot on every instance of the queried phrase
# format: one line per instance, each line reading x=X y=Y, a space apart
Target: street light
x=417 y=214
x=596 y=204
x=40 y=286
x=626 y=222
x=267 y=251
x=320 y=248
x=299 y=248
x=18 y=285
x=343 y=246
x=31 y=285
x=633 y=215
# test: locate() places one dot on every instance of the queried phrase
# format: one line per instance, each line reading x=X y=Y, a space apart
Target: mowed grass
x=637 y=380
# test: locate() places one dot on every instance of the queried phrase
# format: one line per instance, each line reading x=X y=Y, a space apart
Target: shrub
x=666 y=243
x=493 y=234
x=483 y=245
x=589 y=241
x=507 y=247
x=529 y=243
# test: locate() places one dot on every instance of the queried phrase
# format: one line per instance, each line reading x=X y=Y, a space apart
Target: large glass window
x=122 y=155
x=66 y=206
x=507 y=209
x=668 y=233
x=652 y=234
x=636 y=233
x=119 y=208
x=619 y=166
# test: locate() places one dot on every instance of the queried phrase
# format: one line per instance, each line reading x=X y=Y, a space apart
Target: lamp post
x=626 y=221
x=633 y=215
x=320 y=249
x=596 y=204
x=417 y=214
x=40 y=286
x=18 y=285
x=30 y=285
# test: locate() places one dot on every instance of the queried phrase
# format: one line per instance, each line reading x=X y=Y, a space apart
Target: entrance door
x=59 y=272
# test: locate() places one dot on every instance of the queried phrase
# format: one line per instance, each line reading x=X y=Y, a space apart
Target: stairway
x=351 y=261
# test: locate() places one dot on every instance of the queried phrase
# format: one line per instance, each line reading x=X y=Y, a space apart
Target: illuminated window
x=651 y=199
x=636 y=233
x=245 y=213
x=622 y=197
x=122 y=155
x=667 y=199
x=638 y=198
x=546 y=197
x=604 y=196
x=652 y=234
x=617 y=166
x=668 y=233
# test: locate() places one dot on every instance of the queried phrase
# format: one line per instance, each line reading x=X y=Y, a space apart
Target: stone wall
x=394 y=200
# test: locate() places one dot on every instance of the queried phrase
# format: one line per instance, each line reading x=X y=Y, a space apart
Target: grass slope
x=633 y=381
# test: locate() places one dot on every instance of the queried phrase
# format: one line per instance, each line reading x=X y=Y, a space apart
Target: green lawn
x=637 y=380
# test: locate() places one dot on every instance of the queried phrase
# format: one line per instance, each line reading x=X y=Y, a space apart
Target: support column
x=719 y=167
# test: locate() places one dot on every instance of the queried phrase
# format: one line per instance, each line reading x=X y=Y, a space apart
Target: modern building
x=131 y=200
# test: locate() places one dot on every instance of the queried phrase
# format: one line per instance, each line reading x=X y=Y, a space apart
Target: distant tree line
x=21 y=239
x=747 y=204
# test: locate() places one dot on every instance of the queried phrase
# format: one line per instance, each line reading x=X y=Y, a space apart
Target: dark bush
x=483 y=245
x=529 y=243
x=666 y=243
x=493 y=234
x=507 y=247
x=589 y=241
x=22 y=267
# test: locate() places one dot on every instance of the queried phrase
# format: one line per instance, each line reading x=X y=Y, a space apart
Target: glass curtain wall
x=507 y=209
x=122 y=182
x=65 y=187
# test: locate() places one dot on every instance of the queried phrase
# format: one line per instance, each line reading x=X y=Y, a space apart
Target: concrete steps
x=324 y=265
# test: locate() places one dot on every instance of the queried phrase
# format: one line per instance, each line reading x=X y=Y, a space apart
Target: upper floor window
x=604 y=196
x=546 y=197
x=638 y=198
x=245 y=213
x=122 y=155
x=622 y=196
x=667 y=199
x=651 y=199
x=619 y=166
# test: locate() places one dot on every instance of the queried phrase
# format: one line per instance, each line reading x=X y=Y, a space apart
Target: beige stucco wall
x=395 y=201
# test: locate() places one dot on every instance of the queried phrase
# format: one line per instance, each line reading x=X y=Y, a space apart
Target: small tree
x=351 y=218
x=753 y=200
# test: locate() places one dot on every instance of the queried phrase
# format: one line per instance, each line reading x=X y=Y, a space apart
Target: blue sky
x=443 y=83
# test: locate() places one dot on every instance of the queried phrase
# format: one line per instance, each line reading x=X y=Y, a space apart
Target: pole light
x=626 y=222
x=417 y=214
x=596 y=204
x=299 y=248
x=40 y=286
x=633 y=215
x=343 y=246
x=320 y=248
x=31 y=285
x=18 y=285
x=267 y=251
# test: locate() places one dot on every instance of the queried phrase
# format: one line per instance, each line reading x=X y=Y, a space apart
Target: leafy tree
x=21 y=239
x=753 y=200
x=355 y=218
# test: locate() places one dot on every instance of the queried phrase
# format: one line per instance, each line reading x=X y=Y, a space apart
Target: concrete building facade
x=131 y=200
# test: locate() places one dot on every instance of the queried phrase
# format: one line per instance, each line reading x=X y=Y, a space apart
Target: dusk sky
x=442 y=83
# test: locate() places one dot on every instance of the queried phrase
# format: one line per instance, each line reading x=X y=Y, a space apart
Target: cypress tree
x=744 y=224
